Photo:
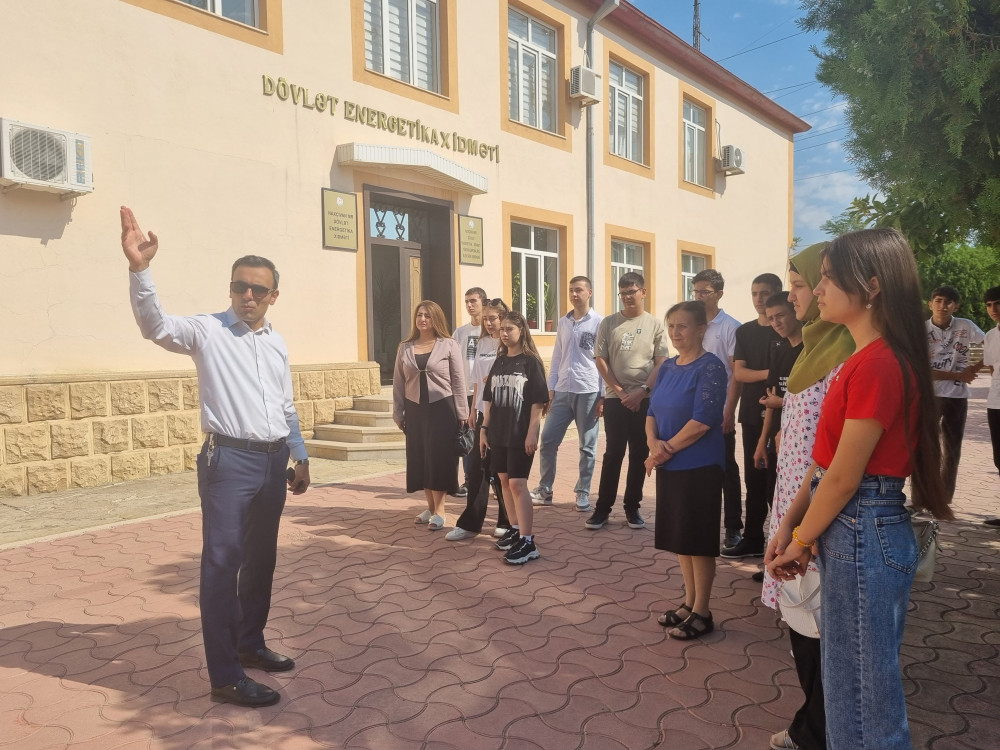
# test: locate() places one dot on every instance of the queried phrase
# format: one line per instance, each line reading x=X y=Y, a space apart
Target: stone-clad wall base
x=63 y=431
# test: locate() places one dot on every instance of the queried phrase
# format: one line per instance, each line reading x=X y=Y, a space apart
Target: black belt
x=257 y=446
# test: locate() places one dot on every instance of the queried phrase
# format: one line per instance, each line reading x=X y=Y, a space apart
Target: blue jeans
x=565 y=408
x=867 y=558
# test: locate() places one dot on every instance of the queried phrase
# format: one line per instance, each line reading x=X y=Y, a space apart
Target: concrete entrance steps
x=361 y=433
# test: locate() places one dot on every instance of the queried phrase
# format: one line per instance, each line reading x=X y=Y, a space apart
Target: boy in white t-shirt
x=991 y=360
x=467 y=337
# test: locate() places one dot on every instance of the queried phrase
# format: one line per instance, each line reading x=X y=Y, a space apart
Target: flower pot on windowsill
x=532 y=323
x=549 y=326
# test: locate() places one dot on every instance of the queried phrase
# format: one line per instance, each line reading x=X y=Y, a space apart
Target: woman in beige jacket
x=429 y=403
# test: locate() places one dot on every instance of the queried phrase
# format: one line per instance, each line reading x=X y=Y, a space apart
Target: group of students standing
x=846 y=409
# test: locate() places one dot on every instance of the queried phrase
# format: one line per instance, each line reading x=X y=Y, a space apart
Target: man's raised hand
x=137 y=248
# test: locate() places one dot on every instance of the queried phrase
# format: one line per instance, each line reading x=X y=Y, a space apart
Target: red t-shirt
x=870 y=386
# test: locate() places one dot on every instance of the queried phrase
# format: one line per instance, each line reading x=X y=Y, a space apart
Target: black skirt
x=689 y=511
x=431 y=462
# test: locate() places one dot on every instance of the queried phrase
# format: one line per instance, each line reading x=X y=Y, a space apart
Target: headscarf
x=825 y=345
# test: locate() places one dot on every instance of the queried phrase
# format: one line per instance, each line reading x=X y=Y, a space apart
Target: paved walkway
x=404 y=640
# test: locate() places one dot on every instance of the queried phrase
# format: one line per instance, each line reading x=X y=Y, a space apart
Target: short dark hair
x=772 y=280
x=712 y=276
x=947 y=291
x=630 y=278
x=695 y=307
x=584 y=279
x=992 y=294
x=256 y=261
x=478 y=290
x=777 y=300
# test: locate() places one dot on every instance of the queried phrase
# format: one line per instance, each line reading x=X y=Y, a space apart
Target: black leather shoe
x=266 y=659
x=246 y=692
x=733 y=537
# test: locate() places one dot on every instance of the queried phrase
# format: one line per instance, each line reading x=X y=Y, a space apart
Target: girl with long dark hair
x=876 y=428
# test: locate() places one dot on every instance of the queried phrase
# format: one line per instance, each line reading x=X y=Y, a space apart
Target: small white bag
x=799 y=602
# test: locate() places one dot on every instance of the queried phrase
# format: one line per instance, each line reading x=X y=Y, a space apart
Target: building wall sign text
x=403 y=127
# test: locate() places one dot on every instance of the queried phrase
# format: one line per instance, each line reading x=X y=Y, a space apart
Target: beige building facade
x=379 y=152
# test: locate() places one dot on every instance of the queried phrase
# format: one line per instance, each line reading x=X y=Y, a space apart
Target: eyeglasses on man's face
x=240 y=288
x=704 y=293
x=628 y=293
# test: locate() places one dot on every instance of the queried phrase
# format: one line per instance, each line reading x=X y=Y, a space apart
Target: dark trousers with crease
x=477 y=500
x=953 y=412
x=242 y=496
x=732 y=504
x=808 y=727
x=760 y=484
x=624 y=430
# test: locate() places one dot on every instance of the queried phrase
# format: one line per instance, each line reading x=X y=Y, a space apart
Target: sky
x=759 y=41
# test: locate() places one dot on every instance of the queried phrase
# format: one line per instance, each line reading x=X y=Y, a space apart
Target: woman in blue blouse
x=684 y=432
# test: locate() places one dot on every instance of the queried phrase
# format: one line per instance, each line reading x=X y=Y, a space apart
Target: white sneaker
x=582 y=501
x=458 y=533
x=499 y=531
x=541 y=496
x=423 y=517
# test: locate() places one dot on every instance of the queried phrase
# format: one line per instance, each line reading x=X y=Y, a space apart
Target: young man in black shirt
x=754 y=342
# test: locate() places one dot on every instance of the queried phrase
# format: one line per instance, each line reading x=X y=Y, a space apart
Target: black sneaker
x=508 y=540
x=462 y=491
x=634 y=520
x=597 y=520
x=733 y=537
x=744 y=548
x=521 y=552
x=758 y=577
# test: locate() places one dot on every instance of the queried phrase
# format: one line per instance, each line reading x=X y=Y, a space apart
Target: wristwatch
x=645 y=387
x=302 y=462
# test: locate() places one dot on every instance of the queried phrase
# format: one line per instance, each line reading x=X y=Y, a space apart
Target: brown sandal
x=670 y=618
x=693 y=627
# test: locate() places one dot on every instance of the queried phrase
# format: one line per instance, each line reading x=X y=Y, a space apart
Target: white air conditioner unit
x=734 y=160
x=584 y=85
x=40 y=158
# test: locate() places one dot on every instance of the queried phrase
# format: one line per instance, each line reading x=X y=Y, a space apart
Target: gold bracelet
x=795 y=538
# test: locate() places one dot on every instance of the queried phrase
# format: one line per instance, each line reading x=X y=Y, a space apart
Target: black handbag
x=464 y=439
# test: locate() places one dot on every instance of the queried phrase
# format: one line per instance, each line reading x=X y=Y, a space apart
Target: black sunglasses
x=259 y=291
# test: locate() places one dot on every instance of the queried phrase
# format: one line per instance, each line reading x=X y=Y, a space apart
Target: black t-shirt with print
x=783 y=356
x=513 y=385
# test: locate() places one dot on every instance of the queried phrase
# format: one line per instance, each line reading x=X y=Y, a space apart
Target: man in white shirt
x=246 y=408
x=948 y=341
x=576 y=393
x=991 y=360
x=720 y=339
x=467 y=337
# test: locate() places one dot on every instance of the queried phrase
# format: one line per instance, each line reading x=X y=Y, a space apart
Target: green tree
x=848 y=221
x=971 y=270
x=922 y=84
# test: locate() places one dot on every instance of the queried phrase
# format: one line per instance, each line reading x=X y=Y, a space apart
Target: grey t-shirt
x=629 y=345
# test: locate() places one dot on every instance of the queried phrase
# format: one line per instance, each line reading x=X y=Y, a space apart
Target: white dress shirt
x=720 y=339
x=573 y=368
x=244 y=378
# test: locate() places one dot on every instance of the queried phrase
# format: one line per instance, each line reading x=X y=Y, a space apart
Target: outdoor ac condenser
x=734 y=160
x=584 y=85
x=40 y=158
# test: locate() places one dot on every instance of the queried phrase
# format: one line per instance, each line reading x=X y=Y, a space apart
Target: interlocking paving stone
x=404 y=640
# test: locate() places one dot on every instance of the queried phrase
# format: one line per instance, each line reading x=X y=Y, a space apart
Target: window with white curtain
x=691 y=265
x=532 y=71
x=534 y=266
x=695 y=142
x=402 y=41
x=626 y=257
x=244 y=11
x=625 y=112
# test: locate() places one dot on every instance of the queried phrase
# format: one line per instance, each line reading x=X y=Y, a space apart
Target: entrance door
x=397 y=288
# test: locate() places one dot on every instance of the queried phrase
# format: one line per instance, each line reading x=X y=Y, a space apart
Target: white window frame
x=695 y=146
x=622 y=267
x=526 y=48
x=688 y=273
x=215 y=8
x=548 y=294
x=626 y=110
x=379 y=43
